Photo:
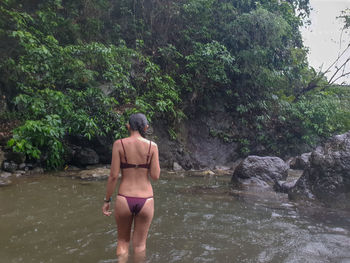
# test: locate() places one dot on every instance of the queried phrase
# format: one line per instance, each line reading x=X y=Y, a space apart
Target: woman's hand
x=105 y=209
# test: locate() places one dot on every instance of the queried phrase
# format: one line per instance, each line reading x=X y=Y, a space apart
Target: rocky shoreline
x=323 y=174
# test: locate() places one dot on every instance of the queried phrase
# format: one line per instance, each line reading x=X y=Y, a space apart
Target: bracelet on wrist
x=107 y=200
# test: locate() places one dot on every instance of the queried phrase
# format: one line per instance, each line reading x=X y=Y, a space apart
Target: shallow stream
x=197 y=219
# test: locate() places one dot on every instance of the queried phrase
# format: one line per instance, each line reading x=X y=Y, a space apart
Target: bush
x=50 y=115
x=40 y=139
x=319 y=116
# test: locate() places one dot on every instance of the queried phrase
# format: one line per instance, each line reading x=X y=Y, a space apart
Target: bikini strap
x=149 y=150
x=126 y=160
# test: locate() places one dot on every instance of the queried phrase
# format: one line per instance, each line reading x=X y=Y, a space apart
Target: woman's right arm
x=113 y=177
x=155 y=168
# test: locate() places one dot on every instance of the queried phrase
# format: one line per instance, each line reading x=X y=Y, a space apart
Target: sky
x=324 y=36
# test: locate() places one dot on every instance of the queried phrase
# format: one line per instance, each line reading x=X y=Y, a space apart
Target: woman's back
x=135 y=158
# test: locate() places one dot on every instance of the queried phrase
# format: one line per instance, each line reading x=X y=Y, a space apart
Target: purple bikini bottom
x=135 y=203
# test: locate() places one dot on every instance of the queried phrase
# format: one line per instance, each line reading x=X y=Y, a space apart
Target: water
x=57 y=219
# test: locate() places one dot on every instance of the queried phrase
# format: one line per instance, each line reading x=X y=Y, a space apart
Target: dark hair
x=138 y=122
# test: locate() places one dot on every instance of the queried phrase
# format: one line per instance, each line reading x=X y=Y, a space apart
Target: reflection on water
x=55 y=219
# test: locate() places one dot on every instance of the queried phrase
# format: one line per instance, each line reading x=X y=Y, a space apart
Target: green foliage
x=35 y=138
x=157 y=94
x=308 y=121
x=92 y=63
x=54 y=79
x=224 y=136
x=319 y=116
x=172 y=133
x=345 y=15
x=244 y=146
x=52 y=114
x=86 y=112
x=208 y=68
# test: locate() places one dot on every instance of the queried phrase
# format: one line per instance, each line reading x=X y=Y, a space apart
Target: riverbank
x=324 y=175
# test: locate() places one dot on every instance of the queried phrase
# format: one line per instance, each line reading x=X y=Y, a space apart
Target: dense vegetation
x=80 y=67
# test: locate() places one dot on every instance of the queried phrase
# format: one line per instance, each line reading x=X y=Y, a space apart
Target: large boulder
x=102 y=145
x=328 y=175
x=100 y=173
x=16 y=157
x=9 y=166
x=261 y=169
x=301 y=162
x=86 y=156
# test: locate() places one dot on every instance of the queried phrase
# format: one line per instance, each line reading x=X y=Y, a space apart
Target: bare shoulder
x=117 y=143
x=153 y=143
x=148 y=141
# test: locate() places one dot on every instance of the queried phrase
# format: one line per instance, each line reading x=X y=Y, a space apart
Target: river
x=197 y=219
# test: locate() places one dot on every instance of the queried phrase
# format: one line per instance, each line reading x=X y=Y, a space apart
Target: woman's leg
x=124 y=219
x=142 y=222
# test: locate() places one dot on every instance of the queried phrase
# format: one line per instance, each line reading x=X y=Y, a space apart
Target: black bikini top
x=130 y=165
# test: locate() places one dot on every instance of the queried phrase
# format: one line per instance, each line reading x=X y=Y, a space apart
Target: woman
x=138 y=159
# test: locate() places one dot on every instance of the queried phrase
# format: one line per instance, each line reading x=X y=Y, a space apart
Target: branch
x=337 y=59
x=341 y=76
x=338 y=69
x=313 y=84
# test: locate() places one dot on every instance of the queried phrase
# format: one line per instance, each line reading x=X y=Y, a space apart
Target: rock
x=15 y=157
x=95 y=174
x=25 y=166
x=19 y=173
x=327 y=177
x=177 y=167
x=253 y=182
x=300 y=162
x=200 y=173
x=22 y=166
x=37 y=170
x=291 y=161
x=236 y=163
x=5 y=182
x=9 y=166
x=267 y=169
x=222 y=172
x=284 y=186
x=71 y=168
x=5 y=175
x=208 y=172
x=101 y=145
x=86 y=156
x=222 y=167
x=69 y=151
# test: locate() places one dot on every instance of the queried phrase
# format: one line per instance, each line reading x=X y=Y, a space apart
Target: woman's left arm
x=112 y=179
